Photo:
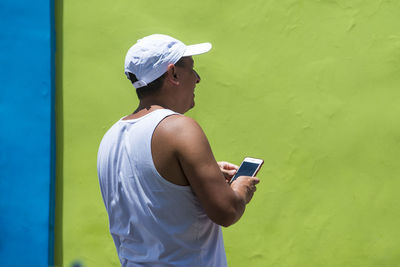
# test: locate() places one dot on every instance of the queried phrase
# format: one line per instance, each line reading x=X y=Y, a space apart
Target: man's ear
x=171 y=74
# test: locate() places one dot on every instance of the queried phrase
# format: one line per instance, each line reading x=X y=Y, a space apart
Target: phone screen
x=246 y=169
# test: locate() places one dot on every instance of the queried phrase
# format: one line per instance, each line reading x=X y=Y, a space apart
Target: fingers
x=231 y=166
x=247 y=185
x=253 y=183
x=230 y=172
x=249 y=179
x=227 y=169
x=227 y=166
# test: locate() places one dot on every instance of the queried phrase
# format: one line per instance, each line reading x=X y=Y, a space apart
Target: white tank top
x=153 y=222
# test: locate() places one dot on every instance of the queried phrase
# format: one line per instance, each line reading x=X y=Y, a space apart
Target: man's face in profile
x=188 y=78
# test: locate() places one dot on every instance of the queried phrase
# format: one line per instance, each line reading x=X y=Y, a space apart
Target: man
x=165 y=194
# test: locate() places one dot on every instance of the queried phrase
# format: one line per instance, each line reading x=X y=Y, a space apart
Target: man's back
x=152 y=220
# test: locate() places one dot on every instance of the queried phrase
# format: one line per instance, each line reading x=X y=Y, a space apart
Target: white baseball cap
x=149 y=58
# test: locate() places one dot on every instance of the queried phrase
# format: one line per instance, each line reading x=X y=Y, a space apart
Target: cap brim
x=197 y=49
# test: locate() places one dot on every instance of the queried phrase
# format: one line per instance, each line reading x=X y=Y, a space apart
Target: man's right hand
x=245 y=186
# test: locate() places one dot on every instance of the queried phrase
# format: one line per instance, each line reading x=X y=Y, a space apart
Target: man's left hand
x=228 y=169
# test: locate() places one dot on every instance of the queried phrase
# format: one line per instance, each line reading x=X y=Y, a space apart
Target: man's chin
x=191 y=106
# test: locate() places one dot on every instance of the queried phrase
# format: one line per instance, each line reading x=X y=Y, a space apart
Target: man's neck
x=142 y=110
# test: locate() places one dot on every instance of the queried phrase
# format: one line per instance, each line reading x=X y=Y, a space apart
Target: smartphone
x=249 y=167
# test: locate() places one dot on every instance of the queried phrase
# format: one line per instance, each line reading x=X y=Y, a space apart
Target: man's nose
x=198 y=77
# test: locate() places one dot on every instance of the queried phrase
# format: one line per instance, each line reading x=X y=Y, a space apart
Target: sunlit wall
x=312 y=87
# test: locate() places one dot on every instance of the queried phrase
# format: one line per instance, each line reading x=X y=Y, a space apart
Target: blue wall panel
x=26 y=133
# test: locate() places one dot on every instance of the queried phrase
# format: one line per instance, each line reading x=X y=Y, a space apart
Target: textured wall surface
x=312 y=87
x=26 y=133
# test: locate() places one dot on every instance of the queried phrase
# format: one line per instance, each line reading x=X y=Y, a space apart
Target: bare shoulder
x=179 y=125
x=177 y=121
x=181 y=134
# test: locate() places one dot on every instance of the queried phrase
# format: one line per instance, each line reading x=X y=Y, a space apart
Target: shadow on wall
x=77 y=264
x=58 y=229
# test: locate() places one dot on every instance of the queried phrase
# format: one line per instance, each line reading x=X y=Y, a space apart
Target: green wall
x=312 y=87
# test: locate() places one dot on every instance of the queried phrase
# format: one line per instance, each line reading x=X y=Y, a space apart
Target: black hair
x=150 y=88
x=153 y=87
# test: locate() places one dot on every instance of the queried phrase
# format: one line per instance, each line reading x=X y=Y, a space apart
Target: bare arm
x=223 y=204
